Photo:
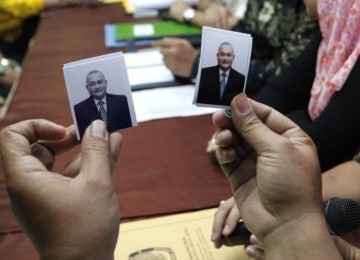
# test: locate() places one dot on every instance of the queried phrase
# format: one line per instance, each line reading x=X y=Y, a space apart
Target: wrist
x=305 y=237
x=102 y=249
x=188 y=15
x=76 y=253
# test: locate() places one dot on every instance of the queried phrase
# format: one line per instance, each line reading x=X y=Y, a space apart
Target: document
x=168 y=102
x=146 y=69
x=183 y=236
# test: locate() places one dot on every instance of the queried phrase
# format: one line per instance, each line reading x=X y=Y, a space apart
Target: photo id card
x=223 y=67
x=98 y=88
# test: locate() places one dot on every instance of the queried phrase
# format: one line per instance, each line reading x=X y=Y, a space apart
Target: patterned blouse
x=281 y=29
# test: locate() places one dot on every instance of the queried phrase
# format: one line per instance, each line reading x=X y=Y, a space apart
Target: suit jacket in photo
x=209 y=86
x=118 y=114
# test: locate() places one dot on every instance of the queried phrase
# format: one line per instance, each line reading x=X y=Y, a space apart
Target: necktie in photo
x=222 y=84
x=102 y=111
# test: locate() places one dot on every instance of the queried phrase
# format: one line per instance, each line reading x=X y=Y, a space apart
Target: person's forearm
x=307 y=238
x=105 y=252
x=342 y=181
x=203 y=4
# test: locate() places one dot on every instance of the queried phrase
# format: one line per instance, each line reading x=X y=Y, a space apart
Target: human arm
x=225 y=220
x=72 y=214
x=346 y=250
x=208 y=13
x=342 y=181
x=274 y=174
x=178 y=55
x=9 y=71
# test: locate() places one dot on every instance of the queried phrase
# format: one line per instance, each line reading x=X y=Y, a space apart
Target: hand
x=212 y=146
x=255 y=250
x=346 y=250
x=177 y=9
x=218 y=16
x=8 y=79
x=72 y=214
x=11 y=73
x=179 y=55
x=225 y=220
x=274 y=174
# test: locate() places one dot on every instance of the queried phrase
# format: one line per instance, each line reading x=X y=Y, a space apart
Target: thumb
x=95 y=155
x=259 y=125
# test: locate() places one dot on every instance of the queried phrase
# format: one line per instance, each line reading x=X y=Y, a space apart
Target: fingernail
x=226 y=230
x=98 y=129
x=243 y=104
x=250 y=250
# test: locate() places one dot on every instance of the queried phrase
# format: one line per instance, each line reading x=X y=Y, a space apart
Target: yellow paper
x=129 y=8
x=177 y=237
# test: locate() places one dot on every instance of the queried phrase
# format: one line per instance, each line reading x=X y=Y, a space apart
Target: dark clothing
x=336 y=132
x=209 y=86
x=17 y=49
x=118 y=114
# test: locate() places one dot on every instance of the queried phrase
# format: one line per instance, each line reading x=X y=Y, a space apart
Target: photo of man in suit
x=112 y=109
x=219 y=84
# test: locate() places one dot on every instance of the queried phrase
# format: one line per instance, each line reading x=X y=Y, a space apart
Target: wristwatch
x=188 y=15
x=3 y=65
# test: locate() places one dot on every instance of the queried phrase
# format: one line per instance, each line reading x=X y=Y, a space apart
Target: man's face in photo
x=96 y=85
x=225 y=56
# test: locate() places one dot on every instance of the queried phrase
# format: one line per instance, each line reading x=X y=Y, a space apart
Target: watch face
x=189 y=14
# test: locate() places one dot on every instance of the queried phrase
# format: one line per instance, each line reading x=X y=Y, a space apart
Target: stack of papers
x=146 y=69
x=163 y=103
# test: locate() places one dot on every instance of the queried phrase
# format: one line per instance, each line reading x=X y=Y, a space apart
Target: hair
x=225 y=43
x=93 y=72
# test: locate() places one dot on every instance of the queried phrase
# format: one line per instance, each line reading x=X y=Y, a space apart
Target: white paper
x=166 y=103
x=147 y=67
x=144 y=58
x=156 y=4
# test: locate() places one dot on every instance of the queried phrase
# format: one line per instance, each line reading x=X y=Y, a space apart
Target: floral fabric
x=338 y=52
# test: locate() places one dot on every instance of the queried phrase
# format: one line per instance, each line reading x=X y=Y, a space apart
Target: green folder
x=153 y=30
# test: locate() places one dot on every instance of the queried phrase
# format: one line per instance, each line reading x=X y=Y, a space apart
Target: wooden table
x=162 y=169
